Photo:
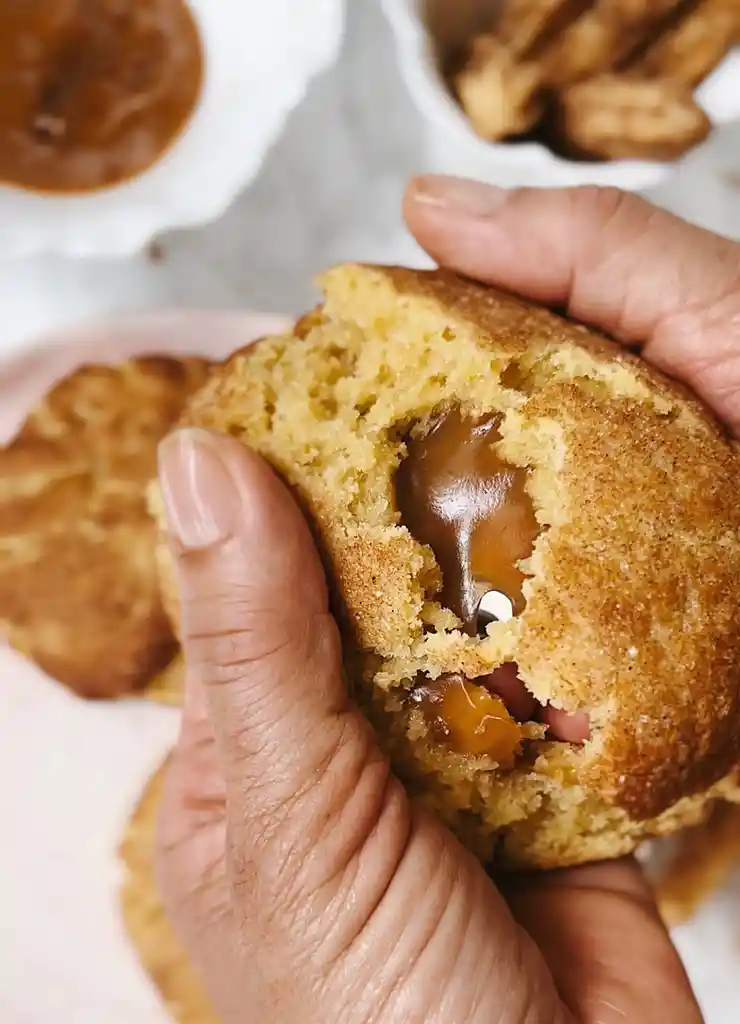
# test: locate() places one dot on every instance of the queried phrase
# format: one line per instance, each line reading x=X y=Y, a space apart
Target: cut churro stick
x=705 y=858
x=525 y=27
x=694 y=47
x=615 y=117
x=604 y=36
x=499 y=96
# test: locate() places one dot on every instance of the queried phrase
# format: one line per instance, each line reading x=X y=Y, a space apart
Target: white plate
x=260 y=58
x=459 y=150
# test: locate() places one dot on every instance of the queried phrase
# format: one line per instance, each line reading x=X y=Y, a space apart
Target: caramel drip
x=468 y=719
x=455 y=494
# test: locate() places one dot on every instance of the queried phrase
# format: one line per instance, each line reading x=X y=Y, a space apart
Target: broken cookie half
x=533 y=543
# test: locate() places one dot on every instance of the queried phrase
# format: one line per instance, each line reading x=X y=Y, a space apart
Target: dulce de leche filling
x=92 y=92
x=469 y=719
x=456 y=495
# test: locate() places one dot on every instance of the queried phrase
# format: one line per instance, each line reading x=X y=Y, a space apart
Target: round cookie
x=157 y=946
x=617 y=531
x=79 y=589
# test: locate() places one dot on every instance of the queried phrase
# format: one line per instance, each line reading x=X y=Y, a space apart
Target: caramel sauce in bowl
x=93 y=92
x=124 y=119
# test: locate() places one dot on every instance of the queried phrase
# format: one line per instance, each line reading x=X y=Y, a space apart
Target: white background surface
x=70 y=772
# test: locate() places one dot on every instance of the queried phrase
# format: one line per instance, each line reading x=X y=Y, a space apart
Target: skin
x=304 y=885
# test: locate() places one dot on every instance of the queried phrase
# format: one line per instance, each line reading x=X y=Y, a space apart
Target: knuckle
x=307 y=849
x=610 y=222
x=188 y=840
x=231 y=644
x=191 y=877
x=232 y=630
x=221 y=609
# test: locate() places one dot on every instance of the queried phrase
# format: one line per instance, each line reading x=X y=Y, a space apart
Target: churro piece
x=705 y=858
x=619 y=118
x=604 y=36
x=694 y=47
x=500 y=96
x=527 y=26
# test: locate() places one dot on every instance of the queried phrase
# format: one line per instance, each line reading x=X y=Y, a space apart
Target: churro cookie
x=79 y=591
x=157 y=946
x=519 y=520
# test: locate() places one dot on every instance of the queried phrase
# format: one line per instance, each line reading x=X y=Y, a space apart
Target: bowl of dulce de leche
x=120 y=119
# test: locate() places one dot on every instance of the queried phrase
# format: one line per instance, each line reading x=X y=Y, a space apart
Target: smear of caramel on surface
x=455 y=494
x=468 y=719
x=92 y=92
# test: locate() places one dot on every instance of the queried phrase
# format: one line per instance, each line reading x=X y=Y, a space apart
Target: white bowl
x=260 y=58
x=457 y=149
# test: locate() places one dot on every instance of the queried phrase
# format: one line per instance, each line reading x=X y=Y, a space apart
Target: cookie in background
x=79 y=590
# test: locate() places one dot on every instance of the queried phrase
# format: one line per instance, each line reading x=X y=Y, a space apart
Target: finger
x=569 y=727
x=191 y=835
x=616 y=262
x=258 y=634
x=598 y=928
x=191 y=865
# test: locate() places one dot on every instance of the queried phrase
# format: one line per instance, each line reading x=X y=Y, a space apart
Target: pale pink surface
x=214 y=334
x=70 y=771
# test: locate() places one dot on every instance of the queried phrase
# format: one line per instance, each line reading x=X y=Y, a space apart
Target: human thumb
x=258 y=637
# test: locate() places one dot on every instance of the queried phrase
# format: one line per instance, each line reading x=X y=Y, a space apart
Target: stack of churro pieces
x=597 y=79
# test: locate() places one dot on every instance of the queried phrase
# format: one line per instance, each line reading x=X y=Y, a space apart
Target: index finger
x=611 y=258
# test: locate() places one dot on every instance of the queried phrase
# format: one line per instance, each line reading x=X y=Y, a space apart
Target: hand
x=614 y=261
x=304 y=885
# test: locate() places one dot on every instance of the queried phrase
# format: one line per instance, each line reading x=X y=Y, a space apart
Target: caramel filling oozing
x=456 y=495
x=469 y=719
